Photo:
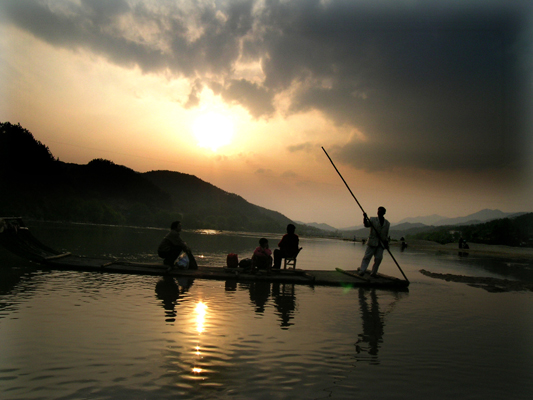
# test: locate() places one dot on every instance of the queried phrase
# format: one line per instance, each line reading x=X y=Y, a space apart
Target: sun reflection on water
x=200 y=316
x=207 y=231
x=201 y=312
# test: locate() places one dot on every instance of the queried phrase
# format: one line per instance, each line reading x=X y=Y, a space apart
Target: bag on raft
x=232 y=260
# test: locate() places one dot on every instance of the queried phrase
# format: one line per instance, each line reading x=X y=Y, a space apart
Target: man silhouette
x=377 y=240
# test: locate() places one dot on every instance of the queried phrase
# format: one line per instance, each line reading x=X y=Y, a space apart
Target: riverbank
x=475 y=249
x=493 y=285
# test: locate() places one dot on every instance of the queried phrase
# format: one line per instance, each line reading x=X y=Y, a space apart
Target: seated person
x=262 y=257
x=172 y=245
x=288 y=246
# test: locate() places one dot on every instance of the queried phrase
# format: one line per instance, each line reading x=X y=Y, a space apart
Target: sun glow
x=213 y=130
x=200 y=316
x=201 y=311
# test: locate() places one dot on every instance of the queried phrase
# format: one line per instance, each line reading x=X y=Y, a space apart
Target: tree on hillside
x=36 y=185
x=516 y=231
x=21 y=154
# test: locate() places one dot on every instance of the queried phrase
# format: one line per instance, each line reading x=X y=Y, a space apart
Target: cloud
x=255 y=98
x=429 y=85
x=194 y=96
x=289 y=174
x=307 y=147
x=104 y=11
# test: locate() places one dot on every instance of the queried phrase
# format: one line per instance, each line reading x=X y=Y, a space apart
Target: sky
x=423 y=106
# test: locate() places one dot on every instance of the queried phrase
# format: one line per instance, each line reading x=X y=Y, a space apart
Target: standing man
x=377 y=241
x=172 y=245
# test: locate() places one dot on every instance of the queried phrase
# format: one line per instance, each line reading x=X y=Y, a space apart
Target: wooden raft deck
x=298 y=276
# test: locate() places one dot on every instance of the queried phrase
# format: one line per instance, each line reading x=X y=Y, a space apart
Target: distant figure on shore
x=377 y=240
x=403 y=244
x=463 y=244
x=288 y=246
x=262 y=257
x=172 y=245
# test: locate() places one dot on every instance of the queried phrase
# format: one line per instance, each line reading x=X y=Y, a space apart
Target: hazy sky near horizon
x=423 y=105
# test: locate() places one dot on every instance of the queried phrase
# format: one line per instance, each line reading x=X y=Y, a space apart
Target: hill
x=204 y=205
x=322 y=226
x=409 y=227
x=478 y=217
x=426 y=220
x=36 y=185
x=513 y=231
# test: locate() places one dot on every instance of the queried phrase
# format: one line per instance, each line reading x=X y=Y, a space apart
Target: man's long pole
x=361 y=207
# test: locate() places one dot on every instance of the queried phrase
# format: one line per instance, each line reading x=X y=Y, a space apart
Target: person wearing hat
x=377 y=241
x=172 y=245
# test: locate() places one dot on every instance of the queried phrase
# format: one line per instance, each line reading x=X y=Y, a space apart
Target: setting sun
x=213 y=130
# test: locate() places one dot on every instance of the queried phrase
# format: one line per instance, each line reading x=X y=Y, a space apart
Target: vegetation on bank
x=37 y=185
x=516 y=231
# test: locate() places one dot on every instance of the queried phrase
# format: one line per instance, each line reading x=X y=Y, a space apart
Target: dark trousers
x=170 y=256
x=279 y=254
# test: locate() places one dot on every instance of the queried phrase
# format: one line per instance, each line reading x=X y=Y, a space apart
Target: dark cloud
x=254 y=97
x=104 y=11
x=428 y=90
x=428 y=85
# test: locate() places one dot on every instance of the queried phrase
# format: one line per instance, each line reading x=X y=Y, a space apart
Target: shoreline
x=493 y=285
x=488 y=250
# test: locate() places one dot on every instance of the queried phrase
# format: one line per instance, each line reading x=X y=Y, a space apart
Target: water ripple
x=71 y=335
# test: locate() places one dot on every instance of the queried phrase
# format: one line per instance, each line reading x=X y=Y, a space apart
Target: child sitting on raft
x=262 y=257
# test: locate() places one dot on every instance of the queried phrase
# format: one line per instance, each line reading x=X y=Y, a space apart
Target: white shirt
x=380 y=231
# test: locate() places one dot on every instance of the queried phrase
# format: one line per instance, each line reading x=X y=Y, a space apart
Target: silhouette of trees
x=38 y=186
x=516 y=231
x=21 y=156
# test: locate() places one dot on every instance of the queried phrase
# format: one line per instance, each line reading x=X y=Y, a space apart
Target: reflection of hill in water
x=15 y=280
x=11 y=277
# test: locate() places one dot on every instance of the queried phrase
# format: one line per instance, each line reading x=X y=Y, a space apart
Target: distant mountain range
x=415 y=225
x=478 y=217
x=322 y=226
x=430 y=220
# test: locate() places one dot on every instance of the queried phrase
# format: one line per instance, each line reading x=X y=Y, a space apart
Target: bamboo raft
x=17 y=238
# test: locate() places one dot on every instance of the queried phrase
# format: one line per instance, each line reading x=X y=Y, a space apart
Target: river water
x=80 y=335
